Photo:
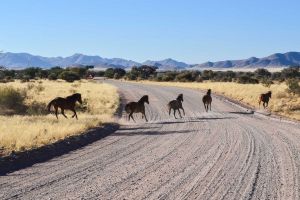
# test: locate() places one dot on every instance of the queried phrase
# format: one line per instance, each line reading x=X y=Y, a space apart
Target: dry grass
x=282 y=102
x=22 y=132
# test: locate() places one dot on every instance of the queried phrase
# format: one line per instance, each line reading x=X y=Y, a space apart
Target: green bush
x=12 y=99
x=246 y=79
x=266 y=82
x=69 y=76
x=293 y=86
x=52 y=76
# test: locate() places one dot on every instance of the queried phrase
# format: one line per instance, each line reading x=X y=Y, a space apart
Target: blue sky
x=189 y=30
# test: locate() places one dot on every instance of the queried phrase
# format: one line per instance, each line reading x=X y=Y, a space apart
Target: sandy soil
x=227 y=153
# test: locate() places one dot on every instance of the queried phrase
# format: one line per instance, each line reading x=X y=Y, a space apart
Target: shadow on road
x=242 y=113
x=141 y=132
x=26 y=159
x=197 y=119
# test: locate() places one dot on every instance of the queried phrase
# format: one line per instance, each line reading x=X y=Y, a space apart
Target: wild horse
x=67 y=103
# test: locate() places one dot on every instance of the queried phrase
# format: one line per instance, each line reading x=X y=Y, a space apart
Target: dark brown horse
x=176 y=105
x=207 y=100
x=67 y=103
x=137 y=107
x=265 y=99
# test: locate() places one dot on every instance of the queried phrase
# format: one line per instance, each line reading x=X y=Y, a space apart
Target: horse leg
x=63 y=113
x=130 y=115
x=179 y=113
x=169 y=111
x=174 y=113
x=145 y=117
x=56 y=108
x=183 y=111
x=75 y=114
x=210 y=106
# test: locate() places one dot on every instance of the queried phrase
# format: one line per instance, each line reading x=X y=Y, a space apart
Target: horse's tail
x=49 y=105
x=127 y=109
x=260 y=99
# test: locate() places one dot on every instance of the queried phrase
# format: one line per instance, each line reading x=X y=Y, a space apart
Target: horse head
x=269 y=94
x=180 y=97
x=208 y=91
x=78 y=97
x=144 y=99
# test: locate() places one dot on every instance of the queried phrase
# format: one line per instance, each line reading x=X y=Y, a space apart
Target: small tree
x=52 y=76
x=109 y=73
x=69 y=76
x=293 y=86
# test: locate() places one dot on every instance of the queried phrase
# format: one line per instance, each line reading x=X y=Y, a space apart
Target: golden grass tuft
x=282 y=102
x=23 y=132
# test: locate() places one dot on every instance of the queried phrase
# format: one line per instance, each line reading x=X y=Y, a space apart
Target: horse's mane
x=144 y=98
x=73 y=96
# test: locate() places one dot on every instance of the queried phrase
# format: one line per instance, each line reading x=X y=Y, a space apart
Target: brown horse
x=207 y=100
x=265 y=99
x=137 y=107
x=176 y=105
x=67 y=103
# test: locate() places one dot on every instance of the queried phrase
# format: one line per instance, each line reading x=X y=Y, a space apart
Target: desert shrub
x=12 y=99
x=30 y=86
x=32 y=72
x=52 y=76
x=25 y=78
x=37 y=108
x=184 y=77
x=69 y=76
x=247 y=79
x=80 y=71
x=291 y=73
x=39 y=88
x=2 y=75
x=99 y=73
x=293 y=86
x=262 y=73
x=207 y=74
x=131 y=76
x=266 y=82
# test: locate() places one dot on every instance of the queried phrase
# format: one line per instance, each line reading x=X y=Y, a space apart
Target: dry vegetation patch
x=282 y=102
x=33 y=127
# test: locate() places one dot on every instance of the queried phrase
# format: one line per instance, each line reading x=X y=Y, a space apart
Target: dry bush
x=11 y=100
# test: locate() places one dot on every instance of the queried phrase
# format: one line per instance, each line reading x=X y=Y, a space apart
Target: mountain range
x=23 y=60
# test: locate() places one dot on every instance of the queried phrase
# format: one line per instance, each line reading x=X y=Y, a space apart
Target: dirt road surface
x=223 y=154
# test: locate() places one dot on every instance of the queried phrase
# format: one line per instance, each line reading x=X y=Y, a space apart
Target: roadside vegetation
x=25 y=123
x=69 y=74
x=283 y=102
x=242 y=86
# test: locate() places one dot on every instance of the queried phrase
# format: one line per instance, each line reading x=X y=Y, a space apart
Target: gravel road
x=227 y=153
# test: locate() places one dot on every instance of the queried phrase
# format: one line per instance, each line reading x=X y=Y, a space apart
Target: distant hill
x=23 y=60
x=274 y=60
x=167 y=64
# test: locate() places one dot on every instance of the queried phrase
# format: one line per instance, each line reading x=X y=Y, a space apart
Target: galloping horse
x=137 y=107
x=265 y=99
x=176 y=105
x=67 y=103
x=207 y=100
